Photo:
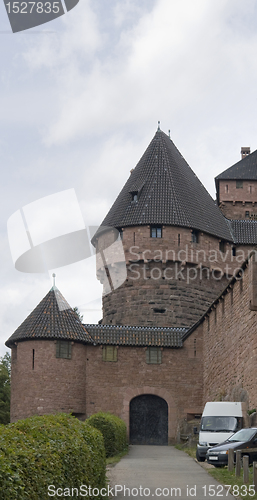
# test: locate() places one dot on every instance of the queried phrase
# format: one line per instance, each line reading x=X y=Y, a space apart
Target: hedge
x=56 y=450
x=114 y=432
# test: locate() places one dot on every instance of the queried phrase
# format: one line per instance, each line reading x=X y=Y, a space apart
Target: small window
x=63 y=349
x=110 y=353
x=135 y=196
x=154 y=355
x=233 y=251
x=156 y=232
x=239 y=184
x=195 y=237
x=222 y=246
x=121 y=234
x=250 y=189
x=226 y=188
x=178 y=240
x=247 y=214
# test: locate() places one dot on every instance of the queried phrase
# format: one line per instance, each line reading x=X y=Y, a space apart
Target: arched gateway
x=148 y=420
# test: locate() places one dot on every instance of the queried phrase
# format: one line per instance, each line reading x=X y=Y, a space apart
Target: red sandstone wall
x=170 y=274
x=55 y=385
x=234 y=202
x=110 y=386
x=230 y=347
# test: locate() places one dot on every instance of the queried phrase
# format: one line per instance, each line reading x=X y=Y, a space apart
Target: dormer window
x=156 y=232
x=134 y=196
x=239 y=184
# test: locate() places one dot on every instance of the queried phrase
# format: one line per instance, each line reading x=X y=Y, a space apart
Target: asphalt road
x=160 y=472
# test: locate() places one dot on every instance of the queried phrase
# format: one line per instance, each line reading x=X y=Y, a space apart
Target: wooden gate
x=148 y=420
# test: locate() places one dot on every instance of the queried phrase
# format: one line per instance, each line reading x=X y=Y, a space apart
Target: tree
x=80 y=316
x=5 y=388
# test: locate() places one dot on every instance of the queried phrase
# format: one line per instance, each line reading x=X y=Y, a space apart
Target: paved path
x=147 y=468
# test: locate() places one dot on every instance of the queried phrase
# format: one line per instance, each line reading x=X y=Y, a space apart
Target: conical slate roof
x=245 y=169
x=168 y=193
x=53 y=318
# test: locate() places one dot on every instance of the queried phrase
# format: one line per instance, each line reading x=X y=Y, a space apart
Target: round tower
x=48 y=361
x=178 y=247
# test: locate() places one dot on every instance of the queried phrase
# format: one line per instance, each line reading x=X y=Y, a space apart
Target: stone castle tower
x=237 y=188
x=178 y=253
x=180 y=250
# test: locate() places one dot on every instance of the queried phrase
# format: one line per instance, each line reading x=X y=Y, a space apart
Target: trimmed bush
x=114 y=432
x=56 y=450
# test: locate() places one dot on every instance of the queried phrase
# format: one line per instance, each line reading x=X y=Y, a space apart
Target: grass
x=223 y=476
x=238 y=488
x=111 y=461
x=190 y=450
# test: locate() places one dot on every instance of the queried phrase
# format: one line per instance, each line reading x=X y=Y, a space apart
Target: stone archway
x=148 y=420
x=131 y=392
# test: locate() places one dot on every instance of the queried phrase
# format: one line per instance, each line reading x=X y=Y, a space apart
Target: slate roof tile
x=136 y=335
x=53 y=318
x=170 y=193
x=244 y=231
x=245 y=169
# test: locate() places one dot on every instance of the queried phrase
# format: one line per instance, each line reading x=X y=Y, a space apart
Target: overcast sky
x=80 y=100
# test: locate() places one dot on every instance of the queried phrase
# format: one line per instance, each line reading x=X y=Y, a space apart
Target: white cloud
x=81 y=105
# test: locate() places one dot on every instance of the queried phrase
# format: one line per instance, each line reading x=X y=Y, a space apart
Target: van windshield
x=218 y=424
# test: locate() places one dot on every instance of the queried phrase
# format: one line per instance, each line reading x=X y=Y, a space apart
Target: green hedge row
x=114 y=432
x=56 y=450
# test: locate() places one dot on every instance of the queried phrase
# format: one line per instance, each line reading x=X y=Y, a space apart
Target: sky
x=80 y=100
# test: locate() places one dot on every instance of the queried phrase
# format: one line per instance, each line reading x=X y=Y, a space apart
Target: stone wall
x=54 y=385
x=230 y=344
x=110 y=386
x=85 y=384
x=170 y=280
x=235 y=202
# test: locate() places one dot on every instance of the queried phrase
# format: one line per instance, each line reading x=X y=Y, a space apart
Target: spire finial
x=159 y=125
x=169 y=133
x=54 y=276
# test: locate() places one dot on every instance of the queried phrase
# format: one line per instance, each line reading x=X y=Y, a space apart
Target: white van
x=220 y=419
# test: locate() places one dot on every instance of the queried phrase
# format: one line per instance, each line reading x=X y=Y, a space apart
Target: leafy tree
x=5 y=388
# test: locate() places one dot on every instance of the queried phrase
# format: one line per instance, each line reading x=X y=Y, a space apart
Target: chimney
x=245 y=152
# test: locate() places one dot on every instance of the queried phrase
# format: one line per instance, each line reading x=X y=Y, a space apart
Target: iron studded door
x=148 y=420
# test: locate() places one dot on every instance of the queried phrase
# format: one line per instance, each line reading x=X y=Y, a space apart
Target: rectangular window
x=222 y=246
x=156 y=232
x=226 y=188
x=63 y=349
x=154 y=355
x=247 y=214
x=110 y=353
x=239 y=184
x=195 y=237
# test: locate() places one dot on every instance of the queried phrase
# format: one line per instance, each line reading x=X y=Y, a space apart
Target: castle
x=179 y=330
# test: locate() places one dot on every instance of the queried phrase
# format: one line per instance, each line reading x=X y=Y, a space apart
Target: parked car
x=220 y=420
x=245 y=439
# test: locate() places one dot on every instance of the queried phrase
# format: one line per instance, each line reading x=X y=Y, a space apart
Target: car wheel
x=200 y=459
x=218 y=465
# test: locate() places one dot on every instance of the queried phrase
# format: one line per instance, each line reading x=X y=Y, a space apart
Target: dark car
x=245 y=439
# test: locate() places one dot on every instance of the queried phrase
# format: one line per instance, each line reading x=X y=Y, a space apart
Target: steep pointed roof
x=245 y=169
x=168 y=193
x=52 y=319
